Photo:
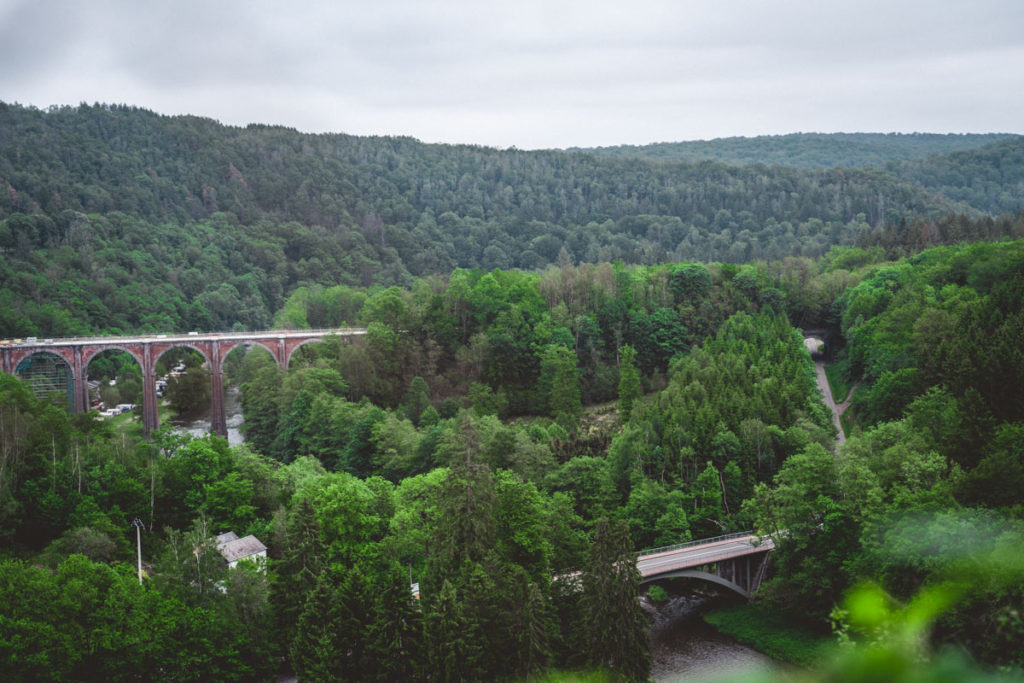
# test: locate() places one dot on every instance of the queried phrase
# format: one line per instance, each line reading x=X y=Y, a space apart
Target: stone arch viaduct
x=147 y=349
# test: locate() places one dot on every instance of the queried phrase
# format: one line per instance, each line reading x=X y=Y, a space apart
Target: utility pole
x=137 y=523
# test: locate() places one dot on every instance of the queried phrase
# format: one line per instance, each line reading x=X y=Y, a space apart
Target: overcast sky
x=531 y=74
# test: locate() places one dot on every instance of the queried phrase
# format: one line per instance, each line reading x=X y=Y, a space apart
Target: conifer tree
x=396 y=635
x=559 y=385
x=297 y=572
x=333 y=640
x=629 y=382
x=466 y=527
x=448 y=648
x=614 y=625
x=417 y=399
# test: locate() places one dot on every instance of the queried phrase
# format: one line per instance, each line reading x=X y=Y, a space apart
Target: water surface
x=686 y=648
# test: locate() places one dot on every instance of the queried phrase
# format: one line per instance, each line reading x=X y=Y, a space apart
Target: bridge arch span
x=290 y=349
x=160 y=349
x=48 y=371
x=90 y=352
x=699 y=574
x=19 y=355
x=226 y=347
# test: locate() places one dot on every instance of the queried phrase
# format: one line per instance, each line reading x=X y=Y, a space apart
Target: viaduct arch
x=147 y=350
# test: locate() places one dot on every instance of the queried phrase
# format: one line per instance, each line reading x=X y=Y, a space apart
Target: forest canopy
x=567 y=358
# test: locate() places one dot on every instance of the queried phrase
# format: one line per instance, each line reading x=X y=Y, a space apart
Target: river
x=233 y=415
x=686 y=648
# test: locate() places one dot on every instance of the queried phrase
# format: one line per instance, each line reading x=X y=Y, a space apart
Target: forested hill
x=808 y=150
x=475 y=207
x=114 y=217
x=990 y=178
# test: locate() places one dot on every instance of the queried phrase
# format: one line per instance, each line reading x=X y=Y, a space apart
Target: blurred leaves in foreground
x=881 y=638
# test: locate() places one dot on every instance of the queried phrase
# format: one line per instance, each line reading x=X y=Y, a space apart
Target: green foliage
x=884 y=637
x=950 y=317
x=331 y=640
x=417 y=399
x=629 y=382
x=558 y=386
x=733 y=410
x=809 y=150
x=192 y=225
x=614 y=626
x=838 y=382
x=657 y=594
x=690 y=282
x=769 y=632
x=340 y=477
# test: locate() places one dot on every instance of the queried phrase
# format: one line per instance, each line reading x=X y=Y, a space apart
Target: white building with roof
x=234 y=549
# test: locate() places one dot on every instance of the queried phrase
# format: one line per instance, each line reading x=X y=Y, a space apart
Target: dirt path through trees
x=819 y=368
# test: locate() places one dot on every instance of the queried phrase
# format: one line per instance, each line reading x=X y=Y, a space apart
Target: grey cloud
x=530 y=73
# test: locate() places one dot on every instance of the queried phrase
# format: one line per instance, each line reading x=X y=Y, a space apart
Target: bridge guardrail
x=726 y=555
x=692 y=544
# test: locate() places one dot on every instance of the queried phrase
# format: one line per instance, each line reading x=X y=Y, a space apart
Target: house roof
x=239 y=548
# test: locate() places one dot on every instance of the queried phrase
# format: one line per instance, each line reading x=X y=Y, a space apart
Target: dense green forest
x=118 y=219
x=927 y=489
x=807 y=150
x=457 y=445
x=568 y=358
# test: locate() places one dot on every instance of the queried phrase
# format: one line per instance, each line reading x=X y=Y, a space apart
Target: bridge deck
x=700 y=555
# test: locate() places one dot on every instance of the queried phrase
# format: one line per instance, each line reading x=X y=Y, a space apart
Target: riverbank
x=685 y=647
x=769 y=633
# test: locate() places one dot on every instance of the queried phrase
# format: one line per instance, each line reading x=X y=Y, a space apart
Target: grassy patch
x=849 y=421
x=837 y=384
x=769 y=633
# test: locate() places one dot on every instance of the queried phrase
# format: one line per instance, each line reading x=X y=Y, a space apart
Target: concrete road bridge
x=737 y=561
x=71 y=359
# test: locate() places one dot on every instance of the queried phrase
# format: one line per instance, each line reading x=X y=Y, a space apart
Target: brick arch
x=226 y=347
x=90 y=352
x=167 y=346
x=64 y=353
x=145 y=349
x=292 y=345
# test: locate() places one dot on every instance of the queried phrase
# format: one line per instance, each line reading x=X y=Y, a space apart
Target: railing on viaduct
x=147 y=349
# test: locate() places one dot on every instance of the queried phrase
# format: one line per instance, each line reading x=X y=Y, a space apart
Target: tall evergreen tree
x=333 y=640
x=450 y=653
x=396 y=635
x=417 y=399
x=614 y=625
x=559 y=385
x=467 y=503
x=297 y=571
x=629 y=382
